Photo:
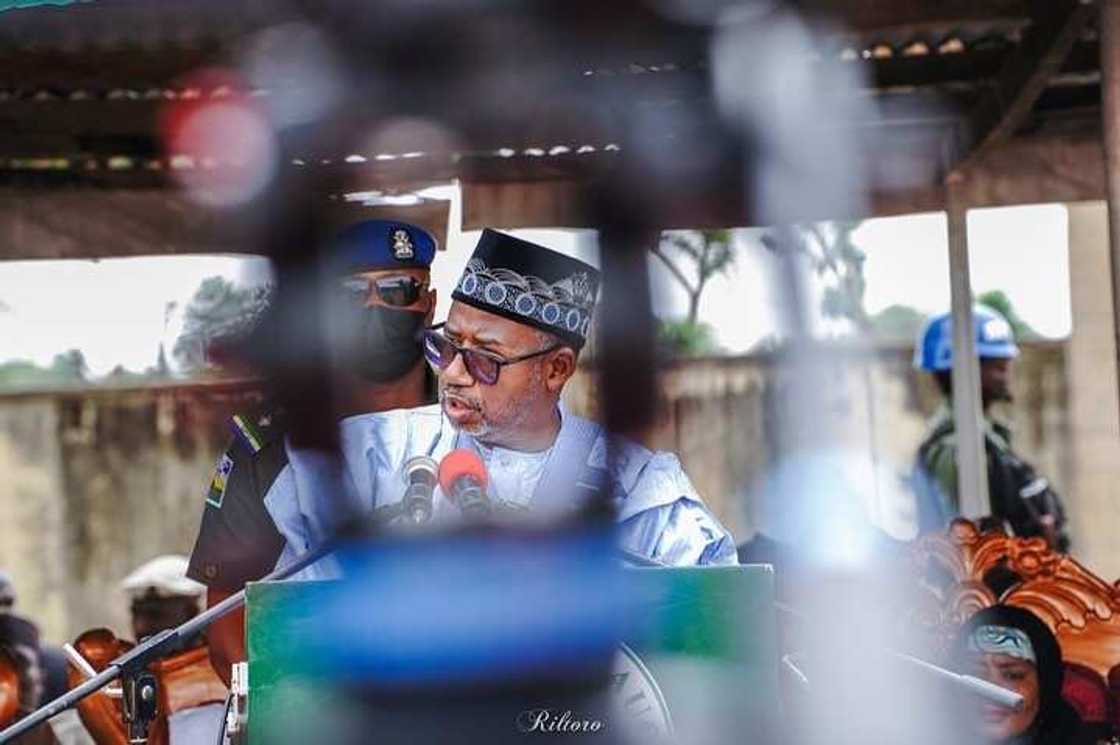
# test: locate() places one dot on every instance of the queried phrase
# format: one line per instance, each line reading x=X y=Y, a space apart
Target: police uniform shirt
x=660 y=514
x=237 y=541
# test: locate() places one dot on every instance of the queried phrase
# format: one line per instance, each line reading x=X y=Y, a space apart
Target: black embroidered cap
x=530 y=284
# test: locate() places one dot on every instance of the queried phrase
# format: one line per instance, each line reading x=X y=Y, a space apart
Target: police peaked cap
x=373 y=245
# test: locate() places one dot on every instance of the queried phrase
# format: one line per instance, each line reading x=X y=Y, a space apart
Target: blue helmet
x=994 y=339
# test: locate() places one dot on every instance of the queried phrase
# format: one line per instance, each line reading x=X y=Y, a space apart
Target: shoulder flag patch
x=220 y=481
x=248 y=433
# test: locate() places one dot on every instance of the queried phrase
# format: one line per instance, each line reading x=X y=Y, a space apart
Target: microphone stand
x=139 y=686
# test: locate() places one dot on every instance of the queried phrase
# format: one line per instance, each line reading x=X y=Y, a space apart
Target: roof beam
x=1024 y=76
x=871 y=15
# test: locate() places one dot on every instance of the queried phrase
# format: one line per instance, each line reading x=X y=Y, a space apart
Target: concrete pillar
x=1110 y=129
x=1094 y=424
x=972 y=466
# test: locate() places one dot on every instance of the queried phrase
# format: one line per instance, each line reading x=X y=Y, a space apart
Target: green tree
x=67 y=368
x=897 y=322
x=70 y=367
x=23 y=374
x=218 y=309
x=121 y=375
x=998 y=300
x=693 y=258
x=683 y=338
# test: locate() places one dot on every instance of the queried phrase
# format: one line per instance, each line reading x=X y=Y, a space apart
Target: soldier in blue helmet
x=379 y=301
x=1022 y=502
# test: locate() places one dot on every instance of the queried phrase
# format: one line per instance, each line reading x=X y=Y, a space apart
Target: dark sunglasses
x=482 y=366
x=398 y=292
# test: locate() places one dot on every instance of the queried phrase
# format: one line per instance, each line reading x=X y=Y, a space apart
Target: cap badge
x=402 y=245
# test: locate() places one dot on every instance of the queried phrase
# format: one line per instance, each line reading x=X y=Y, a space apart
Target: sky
x=116 y=310
x=1023 y=251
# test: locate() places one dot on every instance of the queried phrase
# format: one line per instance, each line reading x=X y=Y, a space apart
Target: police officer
x=1022 y=502
x=381 y=301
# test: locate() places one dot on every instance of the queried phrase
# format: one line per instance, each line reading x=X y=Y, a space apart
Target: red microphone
x=462 y=476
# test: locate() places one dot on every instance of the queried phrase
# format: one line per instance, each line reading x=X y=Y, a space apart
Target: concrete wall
x=94 y=483
x=725 y=418
x=33 y=547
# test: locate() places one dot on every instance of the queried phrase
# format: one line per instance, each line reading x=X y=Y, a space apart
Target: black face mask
x=380 y=344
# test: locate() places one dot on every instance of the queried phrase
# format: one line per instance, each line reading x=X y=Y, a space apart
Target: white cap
x=163 y=576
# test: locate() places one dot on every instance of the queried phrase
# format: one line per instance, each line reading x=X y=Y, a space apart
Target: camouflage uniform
x=1022 y=502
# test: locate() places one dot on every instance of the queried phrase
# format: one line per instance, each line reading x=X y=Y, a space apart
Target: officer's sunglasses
x=482 y=366
x=400 y=291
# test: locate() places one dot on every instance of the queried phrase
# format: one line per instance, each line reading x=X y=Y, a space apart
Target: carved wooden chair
x=963 y=570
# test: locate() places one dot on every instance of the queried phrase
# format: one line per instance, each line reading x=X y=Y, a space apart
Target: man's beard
x=481 y=427
x=503 y=428
x=997 y=396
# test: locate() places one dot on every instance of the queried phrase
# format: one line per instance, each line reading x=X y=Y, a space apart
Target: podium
x=697 y=660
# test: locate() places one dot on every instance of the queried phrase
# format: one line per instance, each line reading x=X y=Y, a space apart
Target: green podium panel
x=699 y=662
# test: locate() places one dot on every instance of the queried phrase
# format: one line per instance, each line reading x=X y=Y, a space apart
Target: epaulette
x=252 y=434
x=255 y=431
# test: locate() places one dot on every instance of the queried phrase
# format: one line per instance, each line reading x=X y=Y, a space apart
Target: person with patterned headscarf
x=1014 y=649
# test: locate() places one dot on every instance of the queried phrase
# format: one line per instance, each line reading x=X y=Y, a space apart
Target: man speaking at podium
x=519 y=319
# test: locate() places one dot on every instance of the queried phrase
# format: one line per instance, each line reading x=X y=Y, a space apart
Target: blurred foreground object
x=508 y=637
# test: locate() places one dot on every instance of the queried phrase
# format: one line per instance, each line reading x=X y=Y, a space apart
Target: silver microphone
x=420 y=477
